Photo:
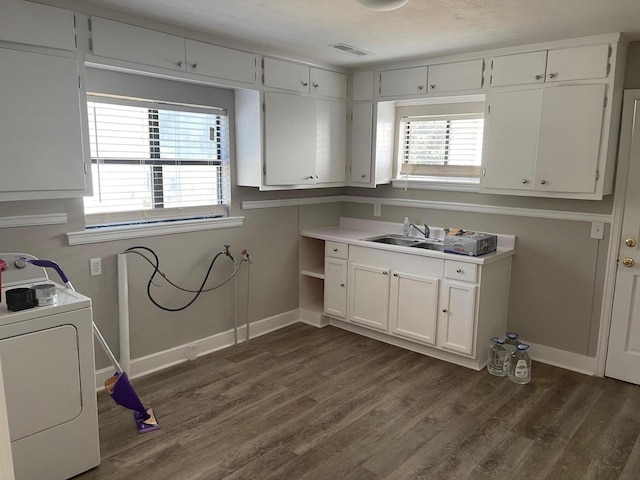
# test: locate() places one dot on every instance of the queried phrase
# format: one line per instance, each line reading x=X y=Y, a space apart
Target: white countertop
x=352 y=231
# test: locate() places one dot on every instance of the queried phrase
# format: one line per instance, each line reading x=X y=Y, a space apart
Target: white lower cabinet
x=369 y=295
x=456 y=318
x=335 y=287
x=413 y=307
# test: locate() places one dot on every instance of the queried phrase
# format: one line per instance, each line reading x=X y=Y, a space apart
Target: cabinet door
x=139 y=45
x=369 y=295
x=361 y=138
x=331 y=156
x=290 y=139
x=362 y=86
x=32 y=24
x=286 y=75
x=450 y=77
x=457 y=317
x=40 y=125
x=569 y=144
x=413 y=307
x=511 y=139
x=518 y=69
x=220 y=62
x=335 y=287
x=406 y=81
x=578 y=63
x=328 y=84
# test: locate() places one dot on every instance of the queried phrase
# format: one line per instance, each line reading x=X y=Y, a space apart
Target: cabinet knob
x=342 y=284
x=385 y=273
x=524 y=180
x=315 y=85
x=180 y=64
x=420 y=87
x=543 y=182
x=395 y=274
x=310 y=177
x=553 y=75
x=363 y=175
x=459 y=270
x=304 y=84
x=432 y=86
x=194 y=66
x=631 y=242
x=335 y=249
x=444 y=310
x=628 y=262
x=538 y=77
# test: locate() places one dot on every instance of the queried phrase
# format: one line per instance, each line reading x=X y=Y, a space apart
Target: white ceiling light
x=383 y=5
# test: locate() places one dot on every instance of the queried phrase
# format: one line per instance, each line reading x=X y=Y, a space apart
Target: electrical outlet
x=597 y=230
x=95 y=266
x=377 y=209
x=192 y=351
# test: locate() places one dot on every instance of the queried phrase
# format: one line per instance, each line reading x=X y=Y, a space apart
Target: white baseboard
x=313 y=318
x=563 y=359
x=160 y=360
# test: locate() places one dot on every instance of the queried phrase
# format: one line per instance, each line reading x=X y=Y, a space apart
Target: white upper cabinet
x=220 y=62
x=33 y=24
x=361 y=142
x=138 y=45
x=518 y=69
x=560 y=65
x=331 y=142
x=328 y=84
x=286 y=75
x=405 y=81
x=303 y=79
x=451 y=77
x=363 y=86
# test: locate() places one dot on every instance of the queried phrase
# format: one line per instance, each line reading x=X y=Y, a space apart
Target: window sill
x=106 y=234
x=438 y=183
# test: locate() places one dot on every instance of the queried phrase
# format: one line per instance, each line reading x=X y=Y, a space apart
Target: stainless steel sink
x=402 y=241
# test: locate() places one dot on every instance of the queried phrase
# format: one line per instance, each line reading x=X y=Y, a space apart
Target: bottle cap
x=522 y=346
x=497 y=340
x=512 y=335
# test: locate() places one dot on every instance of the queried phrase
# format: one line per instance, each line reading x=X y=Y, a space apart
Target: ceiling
x=423 y=28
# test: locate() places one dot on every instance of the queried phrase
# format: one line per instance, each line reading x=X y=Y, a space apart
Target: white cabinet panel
x=335 y=287
x=405 y=81
x=286 y=75
x=40 y=126
x=33 y=24
x=139 y=45
x=290 y=139
x=363 y=86
x=449 y=77
x=569 y=142
x=457 y=317
x=328 y=84
x=578 y=63
x=369 y=295
x=511 y=139
x=518 y=69
x=220 y=62
x=413 y=307
x=361 y=142
x=336 y=249
x=331 y=142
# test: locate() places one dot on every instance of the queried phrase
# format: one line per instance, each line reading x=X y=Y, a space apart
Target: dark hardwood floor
x=316 y=404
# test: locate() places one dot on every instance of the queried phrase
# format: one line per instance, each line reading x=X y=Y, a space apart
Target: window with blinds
x=154 y=161
x=441 y=145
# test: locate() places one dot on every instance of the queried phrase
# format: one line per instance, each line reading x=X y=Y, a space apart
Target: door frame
x=631 y=99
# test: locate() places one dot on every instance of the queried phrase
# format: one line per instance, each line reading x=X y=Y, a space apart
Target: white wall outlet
x=95 y=266
x=597 y=230
x=192 y=351
x=377 y=209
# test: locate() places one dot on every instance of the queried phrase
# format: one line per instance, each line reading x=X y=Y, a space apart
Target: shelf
x=314 y=271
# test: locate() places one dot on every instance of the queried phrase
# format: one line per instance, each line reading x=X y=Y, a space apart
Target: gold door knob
x=631 y=242
x=628 y=262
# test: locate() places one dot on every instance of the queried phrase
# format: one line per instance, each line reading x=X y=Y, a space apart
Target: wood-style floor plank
x=315 y=404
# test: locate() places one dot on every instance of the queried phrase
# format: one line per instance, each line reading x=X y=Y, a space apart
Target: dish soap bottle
x=520 y=365
x=405 y=227
x=497 y=356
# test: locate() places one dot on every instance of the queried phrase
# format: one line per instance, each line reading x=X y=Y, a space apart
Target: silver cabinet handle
x=395 y=274
x=542 y=182
x=310 y=177
x=194 y=65
x=553 y=75
x=459 y=270
x=385 y=273
x=524 y=180
x=444 y=310
x=432 y=86
x=538 y=77
x=315 y=85
x=363 y=175
x=342 y=284
x=335 y=249
x=304 y=84
x=180 y=64
x=420 y=87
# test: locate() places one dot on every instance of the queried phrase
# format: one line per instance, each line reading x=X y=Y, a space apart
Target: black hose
x=156 y=270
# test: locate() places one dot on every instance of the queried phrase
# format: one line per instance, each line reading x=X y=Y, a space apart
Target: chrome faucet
x=426 y=232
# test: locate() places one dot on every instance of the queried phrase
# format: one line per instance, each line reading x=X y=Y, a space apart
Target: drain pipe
x=123 y=313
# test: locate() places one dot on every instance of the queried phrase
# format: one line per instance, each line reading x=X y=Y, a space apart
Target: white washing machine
x=49 y=380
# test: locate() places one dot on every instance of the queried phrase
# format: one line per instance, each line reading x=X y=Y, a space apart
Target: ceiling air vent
x=349 y=49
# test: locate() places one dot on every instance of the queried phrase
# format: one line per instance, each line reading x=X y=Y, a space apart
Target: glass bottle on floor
x=497 y=356
x=520 y=365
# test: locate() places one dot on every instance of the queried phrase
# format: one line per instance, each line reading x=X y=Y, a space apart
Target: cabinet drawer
x=466 y=272
x=337 y=250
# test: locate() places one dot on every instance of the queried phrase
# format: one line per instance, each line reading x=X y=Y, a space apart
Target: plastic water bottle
x=510 y=342
x=520 y=365
x=497 y=356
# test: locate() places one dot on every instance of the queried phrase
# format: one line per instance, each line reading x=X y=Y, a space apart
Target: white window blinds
x=156 y=161
x=441 y=145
